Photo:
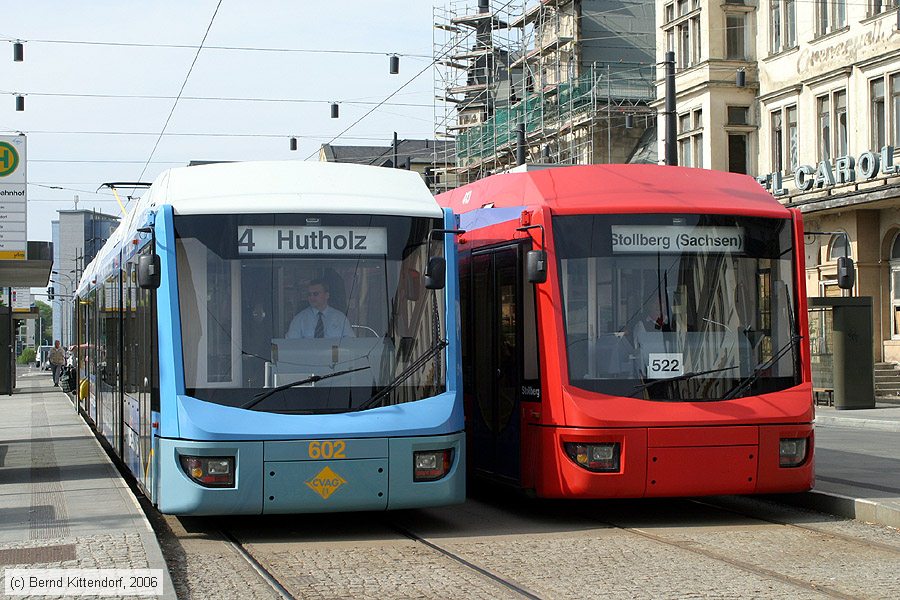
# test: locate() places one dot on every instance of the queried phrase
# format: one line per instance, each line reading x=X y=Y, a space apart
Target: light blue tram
x=278 y=337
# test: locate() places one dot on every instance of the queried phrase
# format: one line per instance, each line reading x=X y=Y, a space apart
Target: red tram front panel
x=669 y=334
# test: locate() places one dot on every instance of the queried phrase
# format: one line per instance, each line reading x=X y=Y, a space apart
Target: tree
x=27 y=356
x=46 y=313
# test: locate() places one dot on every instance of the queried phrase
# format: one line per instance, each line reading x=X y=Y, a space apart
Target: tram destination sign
x=306 y=240
x=676 y=239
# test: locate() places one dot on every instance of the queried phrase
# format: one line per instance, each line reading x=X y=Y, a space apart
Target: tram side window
x=139 y=373
x=108 y=358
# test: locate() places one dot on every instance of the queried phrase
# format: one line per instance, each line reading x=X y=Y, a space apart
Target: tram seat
x=295 y=359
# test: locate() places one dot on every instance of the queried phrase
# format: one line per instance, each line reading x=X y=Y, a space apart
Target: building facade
x=817 y=122
x=77 y=237
x=575 y=76
x=421 y=156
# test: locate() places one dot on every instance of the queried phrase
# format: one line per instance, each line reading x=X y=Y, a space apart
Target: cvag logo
x=326 y=483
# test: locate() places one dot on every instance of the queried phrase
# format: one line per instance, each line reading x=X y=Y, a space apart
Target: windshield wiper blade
x=691 y=375
x=752 y=377
x=404 y=375
x=312 y=379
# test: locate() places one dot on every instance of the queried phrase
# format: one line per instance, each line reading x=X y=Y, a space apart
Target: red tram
x=634 y=330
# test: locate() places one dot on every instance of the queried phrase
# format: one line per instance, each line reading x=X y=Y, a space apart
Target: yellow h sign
x=9 y=159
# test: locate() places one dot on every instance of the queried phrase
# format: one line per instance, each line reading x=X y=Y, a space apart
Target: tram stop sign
x=13 y=200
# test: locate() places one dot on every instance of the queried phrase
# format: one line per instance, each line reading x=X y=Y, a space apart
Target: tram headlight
x=209 y=471
x=792 y=452
x=431 y=465
x=600 y=458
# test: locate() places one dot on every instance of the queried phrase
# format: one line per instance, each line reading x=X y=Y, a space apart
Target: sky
x=86 y=62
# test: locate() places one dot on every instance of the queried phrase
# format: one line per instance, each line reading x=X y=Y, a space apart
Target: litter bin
x=853 y=363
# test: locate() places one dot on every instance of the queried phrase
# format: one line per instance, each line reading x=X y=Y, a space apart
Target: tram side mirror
x=536 y=266
x=436 y=273
x=846 y=273
x=149 y=271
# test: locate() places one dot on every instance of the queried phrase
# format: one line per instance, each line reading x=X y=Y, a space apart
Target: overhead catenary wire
x=183 y=84
x=211 y=98
x=230 y=48
x=374 y=108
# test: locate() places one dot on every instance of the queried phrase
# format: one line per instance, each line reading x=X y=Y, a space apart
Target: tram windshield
x=678 y=307
x=336 y=303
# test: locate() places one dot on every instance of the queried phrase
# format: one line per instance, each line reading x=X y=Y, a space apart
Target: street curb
x=875 y=424
x=844 y=506
x=152 y=549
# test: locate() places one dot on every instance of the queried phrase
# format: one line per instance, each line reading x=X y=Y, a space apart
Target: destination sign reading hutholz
x=676 y=239
x=299 y=240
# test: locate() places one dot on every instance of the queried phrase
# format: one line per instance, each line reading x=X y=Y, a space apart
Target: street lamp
x=62 y=307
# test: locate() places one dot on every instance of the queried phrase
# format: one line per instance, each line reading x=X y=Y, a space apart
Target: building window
x=823 y=119
x=840 y=122
x=793 y=138
x=895 y=288
x=738 y=115
x=876 y=7
x=777 y=143
x=782 y=25
x=879 y=126
x=831 y=120
x=737 y=152
x=895 y=107
x=838 y=247
x=682 y=29
x=735 y=36
x=831 y=15
x=690 y=139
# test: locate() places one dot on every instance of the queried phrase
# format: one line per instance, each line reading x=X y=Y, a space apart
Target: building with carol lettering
x=817 y=121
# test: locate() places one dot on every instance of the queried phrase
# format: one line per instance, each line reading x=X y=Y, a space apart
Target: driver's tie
x=320 y=328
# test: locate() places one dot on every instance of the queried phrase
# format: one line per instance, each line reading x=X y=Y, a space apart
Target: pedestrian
x=57 y=361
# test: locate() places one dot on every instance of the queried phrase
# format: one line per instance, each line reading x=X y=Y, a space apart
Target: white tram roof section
x=275 y=187
x=293 y=186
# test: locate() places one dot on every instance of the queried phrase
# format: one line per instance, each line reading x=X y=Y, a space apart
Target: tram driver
x=319 y=320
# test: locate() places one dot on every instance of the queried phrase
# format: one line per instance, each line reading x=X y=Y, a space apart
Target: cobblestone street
x=499 y=546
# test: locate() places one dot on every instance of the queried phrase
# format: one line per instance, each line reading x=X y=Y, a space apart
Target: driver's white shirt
x=304 y=324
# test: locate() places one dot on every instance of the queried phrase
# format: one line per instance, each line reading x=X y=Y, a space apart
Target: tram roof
x=274 y=187
x=293 y=186
x=618 y=188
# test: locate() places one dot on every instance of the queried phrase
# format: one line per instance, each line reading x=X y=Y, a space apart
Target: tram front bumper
x=301 y=476
x=676 y=461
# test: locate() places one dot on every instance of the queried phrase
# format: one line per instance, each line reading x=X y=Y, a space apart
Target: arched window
x=838 y=247
x=895 y=288
x=895 y=249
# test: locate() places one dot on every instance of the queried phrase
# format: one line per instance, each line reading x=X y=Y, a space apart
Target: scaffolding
x=502 y=64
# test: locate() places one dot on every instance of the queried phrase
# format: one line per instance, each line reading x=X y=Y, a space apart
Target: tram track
x=808 y=528
x=258 y=562
x=506 y=583
x=695 y=548
x=266 y=575
x=739 y=564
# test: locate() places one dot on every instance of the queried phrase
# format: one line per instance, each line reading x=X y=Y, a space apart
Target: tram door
x=109 y=362
x=496 y=317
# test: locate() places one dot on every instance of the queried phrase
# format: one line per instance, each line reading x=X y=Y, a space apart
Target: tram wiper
x=404 y=375
x=749 y=380
x=312 y=379
x=691 y=375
